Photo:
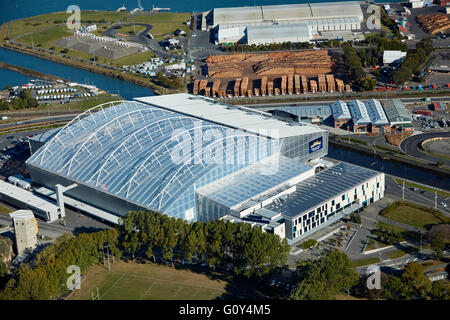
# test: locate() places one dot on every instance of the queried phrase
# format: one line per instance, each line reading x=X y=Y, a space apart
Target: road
x=140 y=38
x=411 y=146
x=65 y=117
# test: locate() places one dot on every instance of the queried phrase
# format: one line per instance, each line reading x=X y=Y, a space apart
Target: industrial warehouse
x=199 y=160
x=283 y=23
x=356 y=116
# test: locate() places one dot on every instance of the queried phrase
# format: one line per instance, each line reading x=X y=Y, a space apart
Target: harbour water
x=15 y=9
x=125 y=89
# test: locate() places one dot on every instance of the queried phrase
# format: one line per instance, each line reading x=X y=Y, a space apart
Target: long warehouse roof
x=235 y=117
x=300 y=11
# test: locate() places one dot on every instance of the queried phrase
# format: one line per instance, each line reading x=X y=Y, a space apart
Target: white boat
x=121 y=9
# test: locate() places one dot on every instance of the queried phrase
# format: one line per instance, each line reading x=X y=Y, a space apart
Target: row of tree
x=355 y=68
x=171 y=82
x=156 y=236
x=45 y=276
x=23 y=101
x=411 y=284
x=414 y=61
x=149 y=236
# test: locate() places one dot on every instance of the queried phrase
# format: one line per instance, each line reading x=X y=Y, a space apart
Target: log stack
x=330 y=83
x=283 y=85
x=290 y=84
x=202 y=86
x=269 y=88
x=339 y=85
x=304 y=84
x=263 y=85
x=313 y=85
x=215 y=87
x=297 y=83
x=195 y=87
x=322 y=83
x=237 y=86
x=244 y=86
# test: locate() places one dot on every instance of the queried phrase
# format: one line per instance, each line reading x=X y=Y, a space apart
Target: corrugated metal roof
x=301 y=11
x=275 y=33
x=340 y=110
x=396 y=111
x=322 y=187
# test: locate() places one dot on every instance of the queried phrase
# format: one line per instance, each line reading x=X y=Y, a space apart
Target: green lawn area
x=422 y=187
x=133 y=281
x=413 y=217
x=365 y=262
x=40 y=22
x=375 y=244
x=163 y=22
x=46 y=37
x=134 y=59
x=396 y=254
x=130 y=29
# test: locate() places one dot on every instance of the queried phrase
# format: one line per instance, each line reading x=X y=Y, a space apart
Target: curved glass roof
x=127 y=149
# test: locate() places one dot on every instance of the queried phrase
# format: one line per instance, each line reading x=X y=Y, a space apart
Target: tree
x=368 y=84
x=324 y=278
x=414 y=277
x=438 y=245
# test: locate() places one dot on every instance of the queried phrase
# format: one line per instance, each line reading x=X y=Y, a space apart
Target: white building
x=25 y=229
x=393 y=56
x=234 y=23
x=376 y=113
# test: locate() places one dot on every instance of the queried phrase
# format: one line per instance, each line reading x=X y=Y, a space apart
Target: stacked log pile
x=330 y=83
x=304 y=84
x=290 y=84
x=244 y=86
x=263 y=86
x=309 y=62
x=434 y=23
x=269 y=88
x=339 y=85
x=297 y=83
x=283 y=84
x=195 y=88
x=202 y=86
x=215 y=87
x=313 y=85
x=322 y=83
x=237 y=86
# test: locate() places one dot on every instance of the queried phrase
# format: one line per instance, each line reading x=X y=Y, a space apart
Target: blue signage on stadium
x=315 y=145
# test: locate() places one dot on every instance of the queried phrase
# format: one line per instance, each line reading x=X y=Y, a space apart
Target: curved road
x=141 y=37
x=411 y=146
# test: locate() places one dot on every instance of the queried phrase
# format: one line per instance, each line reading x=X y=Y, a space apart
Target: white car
x=443 y=204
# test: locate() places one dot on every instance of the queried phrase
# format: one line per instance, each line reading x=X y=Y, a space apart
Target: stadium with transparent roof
x=156 y=152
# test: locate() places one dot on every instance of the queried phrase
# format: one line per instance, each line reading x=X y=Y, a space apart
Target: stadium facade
x=194 y=158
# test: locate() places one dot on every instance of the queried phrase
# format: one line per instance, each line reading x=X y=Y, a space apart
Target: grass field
x=163 y=22
x=365 y=262
x=396 y=254
x=134 y=281
x=413 y=217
